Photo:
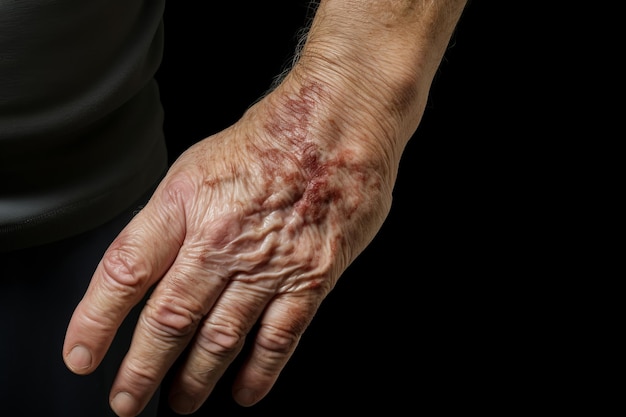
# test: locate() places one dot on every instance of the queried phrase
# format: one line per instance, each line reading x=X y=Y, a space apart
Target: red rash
x=292 y=127
x=318 y=176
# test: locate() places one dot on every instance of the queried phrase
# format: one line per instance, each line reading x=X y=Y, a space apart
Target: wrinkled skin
x=254 y=224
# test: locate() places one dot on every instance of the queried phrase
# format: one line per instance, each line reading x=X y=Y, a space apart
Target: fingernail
x=124 y=404
x=245 y=397
x=79 y=358
x=182 y=403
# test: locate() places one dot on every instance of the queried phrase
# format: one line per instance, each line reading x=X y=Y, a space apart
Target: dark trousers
x=39 y=289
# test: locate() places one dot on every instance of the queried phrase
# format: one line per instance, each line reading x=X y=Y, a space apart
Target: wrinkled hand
x=253 y=225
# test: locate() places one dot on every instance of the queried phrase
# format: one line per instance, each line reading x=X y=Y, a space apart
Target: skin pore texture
x=254 y=225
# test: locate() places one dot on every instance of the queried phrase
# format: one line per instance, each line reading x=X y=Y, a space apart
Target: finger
x=217 y=342
x=222 y=337
x=166 y=325
x=281 y=328
x=137 y=258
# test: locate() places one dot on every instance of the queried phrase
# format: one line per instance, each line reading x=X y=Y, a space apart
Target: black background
x=404 y=330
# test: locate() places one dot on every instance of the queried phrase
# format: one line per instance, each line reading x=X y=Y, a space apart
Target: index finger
x=135 y=260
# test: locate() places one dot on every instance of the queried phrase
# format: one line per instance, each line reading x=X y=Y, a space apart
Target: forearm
x=366 y=68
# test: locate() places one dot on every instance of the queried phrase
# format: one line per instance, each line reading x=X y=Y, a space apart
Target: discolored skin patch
x=321 y=166
x=294 y=197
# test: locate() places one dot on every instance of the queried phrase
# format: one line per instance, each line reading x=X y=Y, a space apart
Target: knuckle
x=221 y=340
x=124 y=268
x=167 y=318
x=277 y=341
x=178 y=190
x=273 y=347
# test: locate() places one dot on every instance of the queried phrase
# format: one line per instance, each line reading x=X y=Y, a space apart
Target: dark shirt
x=81 y=122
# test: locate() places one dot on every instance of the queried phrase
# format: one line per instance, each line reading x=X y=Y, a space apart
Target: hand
x=253 y=225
